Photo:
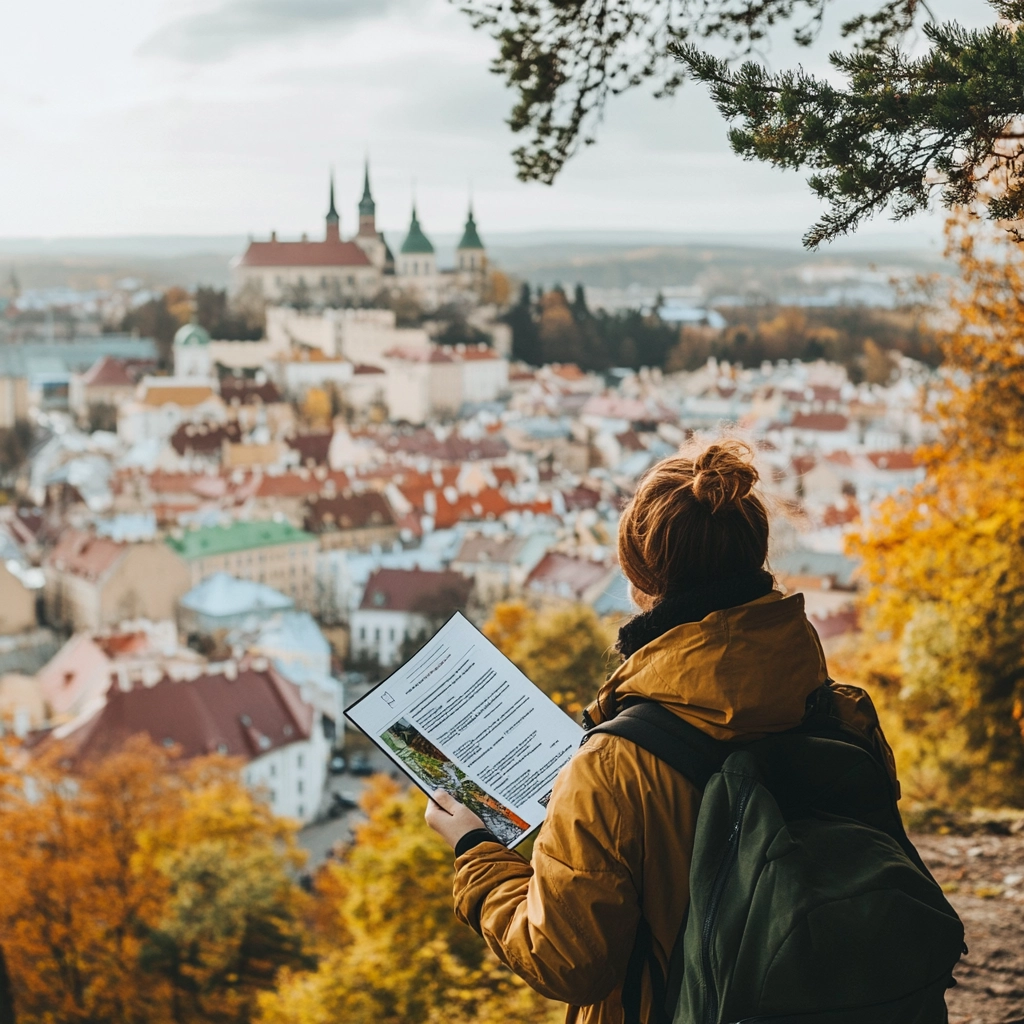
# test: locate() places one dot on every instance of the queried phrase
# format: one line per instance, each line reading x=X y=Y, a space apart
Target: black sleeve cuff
x=475 y=838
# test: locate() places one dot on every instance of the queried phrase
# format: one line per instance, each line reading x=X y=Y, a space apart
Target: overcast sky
x=127 y=117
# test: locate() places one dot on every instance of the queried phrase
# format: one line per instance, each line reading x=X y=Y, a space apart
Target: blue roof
x=614 y=599
x=817 y=563
x=19 y=359
x=294 y=631
x=221 y=595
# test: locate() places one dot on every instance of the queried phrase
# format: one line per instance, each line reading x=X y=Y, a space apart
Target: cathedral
x=337 y=272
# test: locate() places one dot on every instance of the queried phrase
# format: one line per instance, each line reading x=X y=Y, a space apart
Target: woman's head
x=694 y=519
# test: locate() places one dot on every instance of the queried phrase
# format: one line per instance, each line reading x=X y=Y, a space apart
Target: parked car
x=359 y=763
x=336 y=765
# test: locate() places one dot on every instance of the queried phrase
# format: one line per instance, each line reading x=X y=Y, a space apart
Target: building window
x=376 y=634
x=300 y=759
x=362 y=632
x=273 y=796
x=302 y=811
x=300 y=785
x=391 y=635
x=273 y=770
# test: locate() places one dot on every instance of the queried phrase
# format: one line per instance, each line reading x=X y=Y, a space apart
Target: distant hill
x=718 y=271
x=763 y=270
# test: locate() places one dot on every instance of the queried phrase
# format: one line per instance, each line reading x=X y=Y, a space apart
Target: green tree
x=564 y=60
x=525 y=336
x=901 y=127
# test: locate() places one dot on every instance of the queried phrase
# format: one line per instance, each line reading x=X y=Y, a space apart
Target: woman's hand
x=450 y=819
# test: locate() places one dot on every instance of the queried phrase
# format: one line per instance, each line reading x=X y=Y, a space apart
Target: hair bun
x=723 y=475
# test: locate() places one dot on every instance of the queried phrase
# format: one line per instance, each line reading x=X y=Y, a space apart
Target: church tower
x=471 y=256
x=367 y=207
x=368 y=238
x=333 y=220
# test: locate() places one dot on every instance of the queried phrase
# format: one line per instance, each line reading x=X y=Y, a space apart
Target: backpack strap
x=696 y=756
x=682 y=746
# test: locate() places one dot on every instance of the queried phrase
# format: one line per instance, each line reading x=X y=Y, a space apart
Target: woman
x=721 y=648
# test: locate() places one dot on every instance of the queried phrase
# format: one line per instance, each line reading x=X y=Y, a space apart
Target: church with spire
x=340 y=272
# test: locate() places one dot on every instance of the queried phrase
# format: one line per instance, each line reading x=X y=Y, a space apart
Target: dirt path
x=983 y=875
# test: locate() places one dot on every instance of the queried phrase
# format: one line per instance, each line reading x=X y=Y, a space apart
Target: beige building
x=264 y=551
x=13 y=401
x=328 y=271
x=17 y=604
x=92 y=582
x=422 y=385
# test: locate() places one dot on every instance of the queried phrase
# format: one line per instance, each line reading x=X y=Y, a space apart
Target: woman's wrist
x=473 y=838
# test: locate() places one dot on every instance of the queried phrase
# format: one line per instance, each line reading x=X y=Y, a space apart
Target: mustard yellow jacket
x=619 y=831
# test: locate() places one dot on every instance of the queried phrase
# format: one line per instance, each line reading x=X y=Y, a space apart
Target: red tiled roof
x=206 y=438
x=108 y=372
x=349 y=512
x=803 y=464
x=84 y=554
x=312 y=447
x=302 y=484
x=362 y=370
x=453 y=448
x=557 y=573
x=894 y=461
x=415 y=590
x=836 y=624
x=304 y=254
x=841 y=515
x=824 y=421
x=246 y=716
x=248 y=392
x=581 y=498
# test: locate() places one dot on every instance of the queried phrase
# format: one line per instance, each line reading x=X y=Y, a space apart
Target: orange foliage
x=942 y=562
x=142 y=891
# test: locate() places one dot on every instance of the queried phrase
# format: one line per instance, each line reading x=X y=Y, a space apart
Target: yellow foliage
x=566 y=651
x=943 y=561
x=394 y=951
x=143 y=893
x=316 y=407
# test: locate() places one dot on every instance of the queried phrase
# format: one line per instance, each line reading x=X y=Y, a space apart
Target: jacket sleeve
x=566 y=921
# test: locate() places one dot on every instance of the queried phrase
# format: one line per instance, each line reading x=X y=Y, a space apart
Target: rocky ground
x=983 y=876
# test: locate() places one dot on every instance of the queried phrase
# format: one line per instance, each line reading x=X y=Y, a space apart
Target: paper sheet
x=460 y=716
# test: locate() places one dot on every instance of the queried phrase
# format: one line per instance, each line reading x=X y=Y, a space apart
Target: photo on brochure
x=428 y=764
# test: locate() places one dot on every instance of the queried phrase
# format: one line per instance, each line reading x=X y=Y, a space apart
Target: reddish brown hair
x=694 y=519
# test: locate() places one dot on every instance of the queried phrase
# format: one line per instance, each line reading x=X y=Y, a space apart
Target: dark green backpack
x=808 y=903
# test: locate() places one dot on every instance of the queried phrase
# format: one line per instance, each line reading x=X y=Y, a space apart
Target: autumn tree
x=391 y=948
x=160 y=319
x=566 y=651
x=316 y=407
x=143 y=891
x=943 y=562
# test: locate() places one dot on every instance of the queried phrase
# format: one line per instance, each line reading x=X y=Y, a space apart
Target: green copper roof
x=367 y=207
x=416 y=242
x=191 y=334
x=470 y=237
x=223 y=540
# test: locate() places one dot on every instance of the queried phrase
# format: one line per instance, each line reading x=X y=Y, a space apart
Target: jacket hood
x=737 y=674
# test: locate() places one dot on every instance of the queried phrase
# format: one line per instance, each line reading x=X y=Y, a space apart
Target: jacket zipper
x=717 y=890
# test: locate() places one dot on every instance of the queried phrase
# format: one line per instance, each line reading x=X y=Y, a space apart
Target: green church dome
x=191 y=334
x=416 y=243
x=470 y=237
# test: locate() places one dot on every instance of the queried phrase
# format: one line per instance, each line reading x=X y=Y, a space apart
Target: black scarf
x=692 y=605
